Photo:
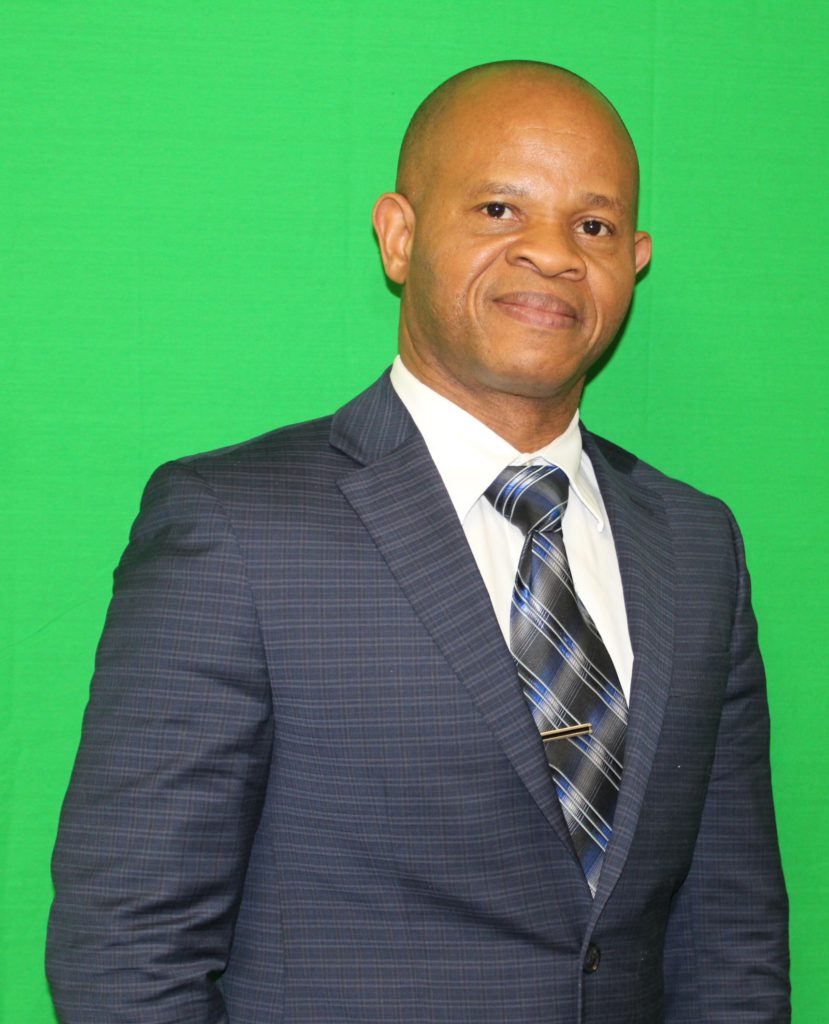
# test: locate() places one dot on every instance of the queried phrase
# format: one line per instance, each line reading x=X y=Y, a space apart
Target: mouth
x=538 y=309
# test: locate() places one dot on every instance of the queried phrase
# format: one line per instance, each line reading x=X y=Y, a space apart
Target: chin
x=535 y=386
x=534 y=374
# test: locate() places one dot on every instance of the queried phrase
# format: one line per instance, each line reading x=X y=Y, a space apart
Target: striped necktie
x=565 y=670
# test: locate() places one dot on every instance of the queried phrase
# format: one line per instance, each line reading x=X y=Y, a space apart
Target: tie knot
x=531 y=497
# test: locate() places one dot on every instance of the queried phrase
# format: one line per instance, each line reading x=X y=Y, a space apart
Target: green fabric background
x=187 y=260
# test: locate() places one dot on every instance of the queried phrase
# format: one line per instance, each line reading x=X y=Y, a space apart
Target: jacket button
x=592 y=959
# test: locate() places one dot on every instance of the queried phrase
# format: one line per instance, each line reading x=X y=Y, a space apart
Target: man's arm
x=168 y=785
x=727 y=957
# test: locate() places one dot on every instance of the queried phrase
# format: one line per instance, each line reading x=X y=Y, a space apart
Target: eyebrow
x=606 y=202
x=501 y=188
x=505 y=188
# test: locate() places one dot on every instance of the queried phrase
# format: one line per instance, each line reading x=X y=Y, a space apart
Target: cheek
x=612 y=289
x=459 y=275
x=436 y=297
x=482 y=271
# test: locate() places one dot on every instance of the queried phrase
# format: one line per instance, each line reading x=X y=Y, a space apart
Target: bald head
x=498 y=87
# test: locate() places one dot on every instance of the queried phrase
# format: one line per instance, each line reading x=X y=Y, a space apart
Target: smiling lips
x=538 y=309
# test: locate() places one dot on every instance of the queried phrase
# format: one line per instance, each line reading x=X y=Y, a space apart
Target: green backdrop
x=187 y=261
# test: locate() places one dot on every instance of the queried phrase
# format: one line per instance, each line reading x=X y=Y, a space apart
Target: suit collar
x=372 y=424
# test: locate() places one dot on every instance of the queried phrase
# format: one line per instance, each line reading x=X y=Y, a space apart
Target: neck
x=527 y=422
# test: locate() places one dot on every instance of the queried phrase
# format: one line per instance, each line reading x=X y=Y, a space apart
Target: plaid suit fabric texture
x=566 y=673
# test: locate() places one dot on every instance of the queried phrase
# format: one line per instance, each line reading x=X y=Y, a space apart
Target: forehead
x=523 y=130
x=542 y=99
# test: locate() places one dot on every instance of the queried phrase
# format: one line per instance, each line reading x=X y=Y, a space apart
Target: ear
x=642 y=248
x=394 y=220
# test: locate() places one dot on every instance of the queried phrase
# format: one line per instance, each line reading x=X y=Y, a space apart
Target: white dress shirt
x=468 y=456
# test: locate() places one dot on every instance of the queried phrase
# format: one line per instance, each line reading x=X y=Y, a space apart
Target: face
x=518 y=252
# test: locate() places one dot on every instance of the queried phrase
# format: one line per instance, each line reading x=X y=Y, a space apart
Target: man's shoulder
x=642 y=476
x=371 y=423
x=291 y=465
x=283 y=447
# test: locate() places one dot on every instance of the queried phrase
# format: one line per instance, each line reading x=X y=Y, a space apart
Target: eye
x=498 y=211
x=595 y=228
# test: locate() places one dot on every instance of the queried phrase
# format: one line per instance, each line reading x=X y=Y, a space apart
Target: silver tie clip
x=580 y=729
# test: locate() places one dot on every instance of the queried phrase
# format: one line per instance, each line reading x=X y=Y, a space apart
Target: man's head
x=512 y=231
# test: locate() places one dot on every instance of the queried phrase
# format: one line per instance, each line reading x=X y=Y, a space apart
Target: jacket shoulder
x=292 y=466
x=643 y=475
x=297 y=441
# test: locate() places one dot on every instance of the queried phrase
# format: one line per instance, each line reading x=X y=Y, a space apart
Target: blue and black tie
x=565 y=670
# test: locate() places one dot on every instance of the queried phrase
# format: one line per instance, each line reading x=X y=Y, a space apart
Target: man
x=329 y=770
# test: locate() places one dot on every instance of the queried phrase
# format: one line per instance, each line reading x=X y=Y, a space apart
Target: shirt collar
x=468 y=455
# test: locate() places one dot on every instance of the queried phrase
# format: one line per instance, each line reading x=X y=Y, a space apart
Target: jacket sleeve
x=168 y=784
x=726 y=951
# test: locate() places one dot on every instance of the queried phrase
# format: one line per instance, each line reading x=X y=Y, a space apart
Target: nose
x=550 y=250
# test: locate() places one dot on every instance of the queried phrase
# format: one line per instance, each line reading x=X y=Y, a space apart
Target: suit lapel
x=403 y=504
x=644 y=548
x=399 y=496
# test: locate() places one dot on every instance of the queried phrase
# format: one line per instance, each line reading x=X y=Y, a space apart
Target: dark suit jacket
x=309 y=789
